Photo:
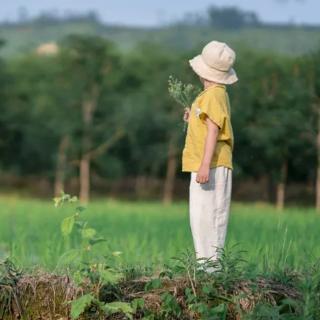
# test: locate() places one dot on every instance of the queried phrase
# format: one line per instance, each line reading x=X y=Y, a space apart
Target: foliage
x=79 y=305
x=87 y=271
x=184 y=94
x=184 y=287
x=134 y=123
x=231 y=17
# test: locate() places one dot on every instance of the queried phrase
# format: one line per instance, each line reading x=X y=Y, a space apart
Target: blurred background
x=84 y=104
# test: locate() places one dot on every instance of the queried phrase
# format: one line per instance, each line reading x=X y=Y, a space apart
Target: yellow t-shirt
x=214 y=103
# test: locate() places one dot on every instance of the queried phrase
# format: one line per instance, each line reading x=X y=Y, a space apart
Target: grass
x=280 y=278
x=149 y=233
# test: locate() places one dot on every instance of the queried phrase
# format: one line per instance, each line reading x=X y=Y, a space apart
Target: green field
x=149 y=233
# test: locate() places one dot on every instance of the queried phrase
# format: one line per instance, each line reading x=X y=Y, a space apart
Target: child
x=207 y=154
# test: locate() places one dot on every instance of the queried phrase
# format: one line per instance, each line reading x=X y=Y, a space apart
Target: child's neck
x=207 y=84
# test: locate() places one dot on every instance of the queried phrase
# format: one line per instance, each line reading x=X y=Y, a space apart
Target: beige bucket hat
x=215 y=63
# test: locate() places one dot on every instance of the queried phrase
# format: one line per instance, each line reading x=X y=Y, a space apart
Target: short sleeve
x=213 y=108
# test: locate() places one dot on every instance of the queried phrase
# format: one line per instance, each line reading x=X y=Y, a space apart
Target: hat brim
x=209 y=73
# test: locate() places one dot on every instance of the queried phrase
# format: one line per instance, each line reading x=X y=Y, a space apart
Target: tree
x=272 y=118
x=90 y=64
x=231 y=17
x=311 y=71
x=157 y=128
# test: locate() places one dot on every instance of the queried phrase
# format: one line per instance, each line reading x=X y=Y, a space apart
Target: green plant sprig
x=183 y=94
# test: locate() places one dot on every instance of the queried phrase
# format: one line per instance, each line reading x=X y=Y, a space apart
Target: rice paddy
x=150 y=233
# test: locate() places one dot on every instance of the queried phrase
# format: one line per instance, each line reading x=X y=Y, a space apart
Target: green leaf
x=219 y=309
x=206 y=289
x=78 y=277
x=153 y=284
x=117 y=306
x=88 y=233
x=64 y=197
x=80 y=304
x=67 y=226
x=137 y=303
x=110 y=276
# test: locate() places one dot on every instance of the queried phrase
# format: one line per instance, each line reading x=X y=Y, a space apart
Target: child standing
x=207 y=154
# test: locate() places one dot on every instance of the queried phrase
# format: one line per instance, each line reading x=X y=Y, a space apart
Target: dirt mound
x=46 y=296
x=41 y=296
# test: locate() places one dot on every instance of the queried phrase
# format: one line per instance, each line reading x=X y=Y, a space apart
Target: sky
x=152 y=13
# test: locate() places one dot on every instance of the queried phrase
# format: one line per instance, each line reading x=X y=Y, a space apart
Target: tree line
x=90 y=110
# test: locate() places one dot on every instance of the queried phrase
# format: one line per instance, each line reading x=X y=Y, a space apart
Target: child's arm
x=210 y=144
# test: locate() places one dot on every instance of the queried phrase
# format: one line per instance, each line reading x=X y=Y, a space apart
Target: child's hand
x=203 y=174
x=186 y=114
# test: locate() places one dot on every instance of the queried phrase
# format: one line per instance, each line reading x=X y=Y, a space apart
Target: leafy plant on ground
x=209 y=281
x=94 y=275
x=222 y=288
x=170 y=307
x=310 y=287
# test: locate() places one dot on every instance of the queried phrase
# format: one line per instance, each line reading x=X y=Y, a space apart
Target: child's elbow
x=213 y=127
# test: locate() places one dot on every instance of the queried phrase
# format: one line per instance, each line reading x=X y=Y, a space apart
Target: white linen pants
x=209 y=205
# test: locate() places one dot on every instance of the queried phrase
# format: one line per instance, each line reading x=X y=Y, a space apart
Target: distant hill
x=291 y=40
